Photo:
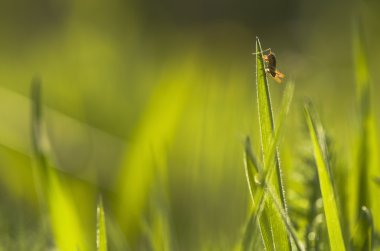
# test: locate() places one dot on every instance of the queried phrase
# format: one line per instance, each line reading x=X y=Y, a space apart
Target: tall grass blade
x=289 y=226
x=254 y=172
x=258 y=178
x=325 y=182
x=362 y=236
x=271 y=224
x=367 y=147
x=253 y=168
x=266 y=119
x=250 y=240
x=56 y=199
x=157 y=128
x=36 y=118
x=101 y=234
x=158 y=226
x=40 y=171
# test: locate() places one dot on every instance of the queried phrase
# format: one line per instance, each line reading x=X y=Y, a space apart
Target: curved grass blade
x=101 y=234
x=325 y=182
x=362 y=237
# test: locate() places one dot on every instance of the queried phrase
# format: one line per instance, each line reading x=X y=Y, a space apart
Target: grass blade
x=257 y=177
x=101 y=234
x=367 y=147
x=254 y=172
x=266 y=119
x=253 y=168
x=252 y=229
x=56 y=200
x=272 y=223
x=363 y=234
x=325 y=182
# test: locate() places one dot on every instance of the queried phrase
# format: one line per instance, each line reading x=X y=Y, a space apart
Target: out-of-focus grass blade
x=362 y=236
x=56 y=199
x=64 y=217
x=158 y=126
x=367 y=147
x=37 y=145
x=325 y=182
x=158 y=227
x=253 y=171
x=101 y=234
x=251 y=239
x=271 y=223
x=36 y=123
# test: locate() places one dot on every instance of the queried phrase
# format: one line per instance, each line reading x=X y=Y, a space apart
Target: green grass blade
x=367 y=147
x=254 y=170
x=40 y=175
x=327 y=189
x=35 y=93
x=362 y=236
x=258 y=179
x=257 y=176
x=266 y=123
x=56 y=199
x=266 y=120
x=250 y=240
x=101 y=234
x=136 y=174
x=289 y=226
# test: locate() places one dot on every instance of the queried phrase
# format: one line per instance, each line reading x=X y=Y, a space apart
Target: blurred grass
x=367 y=147
x=126 y=96
x=101 y=233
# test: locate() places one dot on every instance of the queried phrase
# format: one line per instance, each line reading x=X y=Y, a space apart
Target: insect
x=271 y=66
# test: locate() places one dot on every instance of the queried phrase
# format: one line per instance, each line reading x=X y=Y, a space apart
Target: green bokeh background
x=133 y=90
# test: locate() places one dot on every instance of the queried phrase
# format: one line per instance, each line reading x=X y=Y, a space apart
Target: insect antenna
x=261 y=51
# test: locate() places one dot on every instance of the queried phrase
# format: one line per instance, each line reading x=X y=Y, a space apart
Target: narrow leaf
x=367 y=146
x=266 y=120
x=363 y=234
x=273 y=224
x=56 y=199
x=257 y=177
x=101 y=235
x=327 y=189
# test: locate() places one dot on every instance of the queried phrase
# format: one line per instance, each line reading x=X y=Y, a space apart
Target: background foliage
x=148 y=105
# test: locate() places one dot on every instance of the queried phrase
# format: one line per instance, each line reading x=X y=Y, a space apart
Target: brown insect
x=271 y=66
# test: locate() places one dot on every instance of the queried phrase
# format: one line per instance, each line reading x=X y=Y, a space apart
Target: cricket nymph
x=270 y=60
x=271 y=66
